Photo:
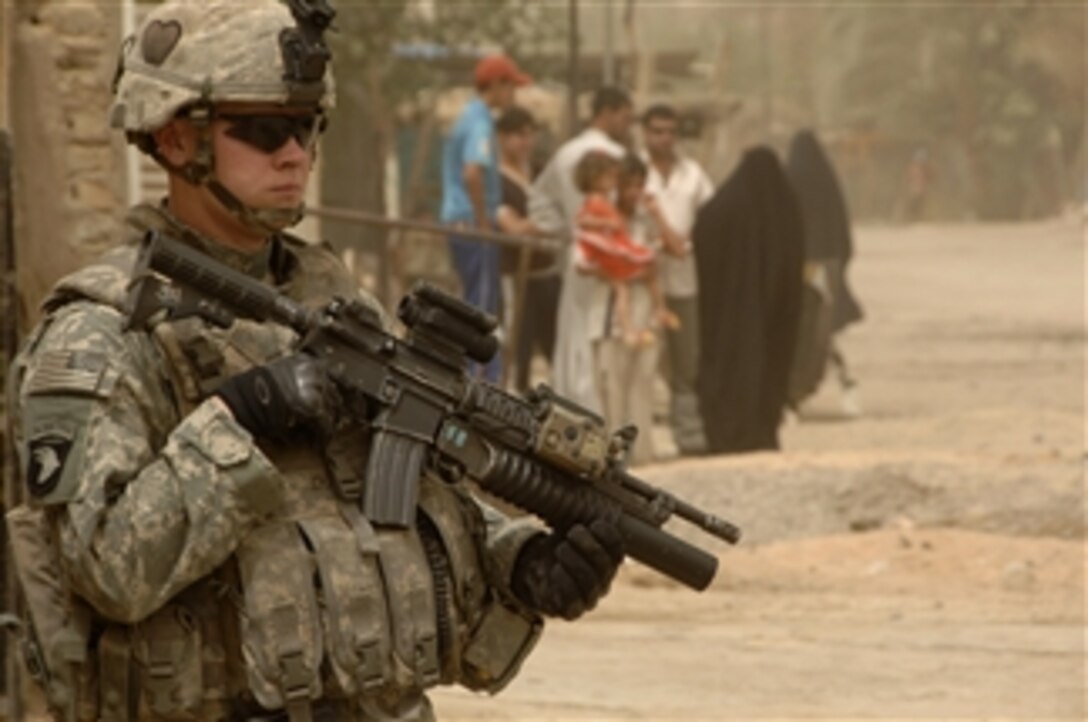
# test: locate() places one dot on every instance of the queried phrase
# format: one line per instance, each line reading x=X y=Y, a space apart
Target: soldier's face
x=264 y=155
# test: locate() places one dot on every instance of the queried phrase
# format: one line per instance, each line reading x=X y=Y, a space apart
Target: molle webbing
x=194 y=364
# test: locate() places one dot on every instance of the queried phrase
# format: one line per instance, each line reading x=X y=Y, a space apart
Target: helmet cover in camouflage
x=218 y=51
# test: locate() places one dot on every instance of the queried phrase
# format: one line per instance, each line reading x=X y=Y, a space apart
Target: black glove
x=276 y=400
x=563 y=575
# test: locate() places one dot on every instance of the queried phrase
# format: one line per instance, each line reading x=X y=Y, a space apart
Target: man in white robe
x=553 y=207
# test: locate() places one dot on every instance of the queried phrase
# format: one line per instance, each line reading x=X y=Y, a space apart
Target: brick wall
x=69 y=165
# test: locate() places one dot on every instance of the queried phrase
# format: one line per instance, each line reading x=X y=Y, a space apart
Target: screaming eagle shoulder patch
x=45 y=463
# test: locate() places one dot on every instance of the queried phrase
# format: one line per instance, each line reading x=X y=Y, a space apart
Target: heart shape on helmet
x=160 y=38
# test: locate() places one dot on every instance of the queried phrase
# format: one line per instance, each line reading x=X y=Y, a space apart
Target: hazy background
x=923 y=561
x=993 y=91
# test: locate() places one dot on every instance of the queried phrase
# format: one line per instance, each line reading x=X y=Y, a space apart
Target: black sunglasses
x=268 y=133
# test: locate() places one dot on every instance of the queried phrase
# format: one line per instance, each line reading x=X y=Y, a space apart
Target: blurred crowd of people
x=735 y=293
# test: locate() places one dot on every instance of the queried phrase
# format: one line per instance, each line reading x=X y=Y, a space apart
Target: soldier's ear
x=176 y=141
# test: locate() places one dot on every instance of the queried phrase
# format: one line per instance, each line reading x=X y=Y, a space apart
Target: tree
x=391 y=57
x=1001 y=84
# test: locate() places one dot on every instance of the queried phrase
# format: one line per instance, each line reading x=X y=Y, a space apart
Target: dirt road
x=924 y=561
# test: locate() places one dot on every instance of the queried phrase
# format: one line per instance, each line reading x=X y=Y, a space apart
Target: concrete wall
x=70 y=190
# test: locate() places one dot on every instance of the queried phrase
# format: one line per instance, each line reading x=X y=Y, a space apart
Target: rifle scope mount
x=435 y=316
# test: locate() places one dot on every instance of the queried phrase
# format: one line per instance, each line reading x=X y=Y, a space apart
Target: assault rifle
x=540 y=453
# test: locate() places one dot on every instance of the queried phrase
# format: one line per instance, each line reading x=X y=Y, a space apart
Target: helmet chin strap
x=263 y=220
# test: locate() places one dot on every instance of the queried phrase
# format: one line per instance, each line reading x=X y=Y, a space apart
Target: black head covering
x=749 y=250
x=823 y=205
x=827 y=221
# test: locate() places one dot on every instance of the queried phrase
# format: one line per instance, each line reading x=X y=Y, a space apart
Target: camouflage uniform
x=215 y=576
x=176 y=562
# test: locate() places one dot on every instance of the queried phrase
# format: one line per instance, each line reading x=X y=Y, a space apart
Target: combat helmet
x=190 y=55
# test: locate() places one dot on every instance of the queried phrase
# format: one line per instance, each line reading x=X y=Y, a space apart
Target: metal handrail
x=541 y=242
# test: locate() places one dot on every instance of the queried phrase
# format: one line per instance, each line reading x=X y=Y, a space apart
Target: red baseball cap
x=493 y=68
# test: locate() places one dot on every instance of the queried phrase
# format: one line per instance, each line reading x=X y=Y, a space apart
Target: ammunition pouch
x=503 y=638
x=171 y=666
x=354 y=606
x=281 y=632
x=167 y=650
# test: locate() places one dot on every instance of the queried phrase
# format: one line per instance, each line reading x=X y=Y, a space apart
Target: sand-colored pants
x=625 y=378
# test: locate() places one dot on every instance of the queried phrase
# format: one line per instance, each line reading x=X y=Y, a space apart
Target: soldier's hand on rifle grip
x=276 y=400
x=565 y=575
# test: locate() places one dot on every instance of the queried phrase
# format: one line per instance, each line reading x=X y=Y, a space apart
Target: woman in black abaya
x=830 y=305
x=749 y=251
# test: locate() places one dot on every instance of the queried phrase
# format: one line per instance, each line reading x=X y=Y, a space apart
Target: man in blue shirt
x=471 y=190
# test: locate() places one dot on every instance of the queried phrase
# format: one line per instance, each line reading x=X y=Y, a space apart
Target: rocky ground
x=925 y=561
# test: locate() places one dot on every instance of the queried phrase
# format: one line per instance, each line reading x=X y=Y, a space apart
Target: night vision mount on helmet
x=305 y=54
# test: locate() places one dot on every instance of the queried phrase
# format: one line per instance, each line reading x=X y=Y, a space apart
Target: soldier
x=189 y=548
